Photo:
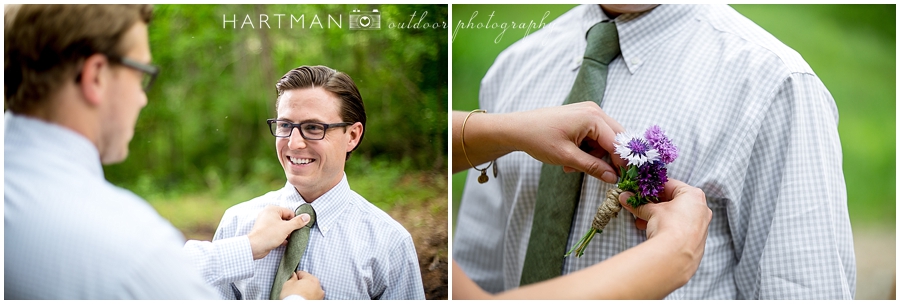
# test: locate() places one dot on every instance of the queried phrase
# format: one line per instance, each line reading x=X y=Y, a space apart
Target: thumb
x=299 y=221
x=300 y=274
x=643 y=212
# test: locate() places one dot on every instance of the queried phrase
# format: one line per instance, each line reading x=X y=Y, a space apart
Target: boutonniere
x=644 y=175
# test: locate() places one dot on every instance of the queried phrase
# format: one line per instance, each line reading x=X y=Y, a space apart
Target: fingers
x=300 y=274
x=643 y=212
x=605 y=134
x=616 y=128
x=285 y=213
x=623 y=200
x=673 y=187
x=593 y=166
x=300 y=221
x=600 y=135
x=641 y=224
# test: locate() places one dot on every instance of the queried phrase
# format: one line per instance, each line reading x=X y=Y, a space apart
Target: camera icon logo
x=360 y=20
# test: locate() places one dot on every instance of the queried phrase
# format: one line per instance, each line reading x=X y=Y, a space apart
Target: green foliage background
x=202 y=145
x=851 y=47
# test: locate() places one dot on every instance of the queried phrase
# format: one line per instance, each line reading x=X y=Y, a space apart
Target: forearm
x=464 y=288
x=650 y=270
x=485 y=139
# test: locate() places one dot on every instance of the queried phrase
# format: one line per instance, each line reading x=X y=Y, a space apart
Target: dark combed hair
x=338 y=83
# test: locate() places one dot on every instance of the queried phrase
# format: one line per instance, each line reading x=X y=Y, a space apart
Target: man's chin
x=299 y=182
x=114 y=158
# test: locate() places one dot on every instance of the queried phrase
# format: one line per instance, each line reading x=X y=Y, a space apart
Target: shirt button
x=636 y=61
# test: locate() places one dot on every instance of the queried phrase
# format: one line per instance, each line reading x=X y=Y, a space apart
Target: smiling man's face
x=314 y=166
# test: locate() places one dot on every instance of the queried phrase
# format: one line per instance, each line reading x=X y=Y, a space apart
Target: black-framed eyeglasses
x=309 y=130
x=150 y=71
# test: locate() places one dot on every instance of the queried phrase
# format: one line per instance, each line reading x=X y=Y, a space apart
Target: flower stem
x=582 y=243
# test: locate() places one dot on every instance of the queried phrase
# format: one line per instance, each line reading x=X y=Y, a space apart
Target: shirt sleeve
x=222 y=261
x=228 y=258
x=163 y=274
x=798 y=242
x=402 y=278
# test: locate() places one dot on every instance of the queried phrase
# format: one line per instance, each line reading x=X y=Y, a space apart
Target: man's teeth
x=300 y=161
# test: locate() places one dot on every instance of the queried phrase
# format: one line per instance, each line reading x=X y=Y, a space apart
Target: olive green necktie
x=295 y=248
x=558 y=192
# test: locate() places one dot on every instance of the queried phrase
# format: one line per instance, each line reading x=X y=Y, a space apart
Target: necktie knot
x=308 y=209
x=602 y=42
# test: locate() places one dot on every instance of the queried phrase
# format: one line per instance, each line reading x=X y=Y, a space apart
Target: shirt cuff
x=236 y=256
x=294 y=297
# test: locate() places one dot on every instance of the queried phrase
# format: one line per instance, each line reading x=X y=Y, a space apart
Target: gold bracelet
x=484 y=177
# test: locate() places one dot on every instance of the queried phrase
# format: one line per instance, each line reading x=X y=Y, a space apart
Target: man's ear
x=356 y=131
x=94 y=78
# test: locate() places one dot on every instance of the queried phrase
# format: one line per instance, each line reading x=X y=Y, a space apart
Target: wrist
x=499 y=132
x=681 y=252
x=256 y=248
x=484 y=137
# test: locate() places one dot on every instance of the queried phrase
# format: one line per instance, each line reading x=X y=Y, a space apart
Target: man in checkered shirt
x=356 y=250
x=756 y=131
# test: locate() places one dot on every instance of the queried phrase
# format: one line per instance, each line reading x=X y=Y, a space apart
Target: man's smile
x=300 y=161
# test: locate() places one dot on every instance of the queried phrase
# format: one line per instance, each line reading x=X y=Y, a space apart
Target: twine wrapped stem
x=607 y=210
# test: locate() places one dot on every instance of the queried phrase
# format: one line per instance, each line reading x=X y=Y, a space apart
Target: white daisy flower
x=634 y=149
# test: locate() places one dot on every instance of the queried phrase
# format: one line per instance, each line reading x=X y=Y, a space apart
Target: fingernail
x=625 y=196
x=608 y=177
x=304 y=217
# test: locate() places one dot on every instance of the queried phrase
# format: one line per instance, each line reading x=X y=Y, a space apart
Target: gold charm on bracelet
x=483 y=178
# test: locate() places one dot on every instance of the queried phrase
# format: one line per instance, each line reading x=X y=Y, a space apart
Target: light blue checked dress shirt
x=756 y=130
x=70 y=234
x=355 y=249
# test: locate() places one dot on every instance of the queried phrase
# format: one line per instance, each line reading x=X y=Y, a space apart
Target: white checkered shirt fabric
x=71 y=235
x=756 y=130
x=356 y=250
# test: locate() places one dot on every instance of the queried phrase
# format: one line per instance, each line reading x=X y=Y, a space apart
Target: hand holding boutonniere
x=644 y=175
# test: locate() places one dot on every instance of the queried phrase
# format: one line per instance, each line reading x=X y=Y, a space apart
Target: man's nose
x=296 y=139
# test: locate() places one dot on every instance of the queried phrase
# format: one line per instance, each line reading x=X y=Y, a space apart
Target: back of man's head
x=47 y=44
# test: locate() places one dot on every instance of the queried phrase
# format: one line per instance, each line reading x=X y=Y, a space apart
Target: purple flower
x=635 y=150
x=667 y=151
x=651 y=178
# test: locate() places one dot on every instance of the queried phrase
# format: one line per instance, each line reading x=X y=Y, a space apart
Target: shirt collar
x=328 y=207
x=27 y=132
x=642 y=33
